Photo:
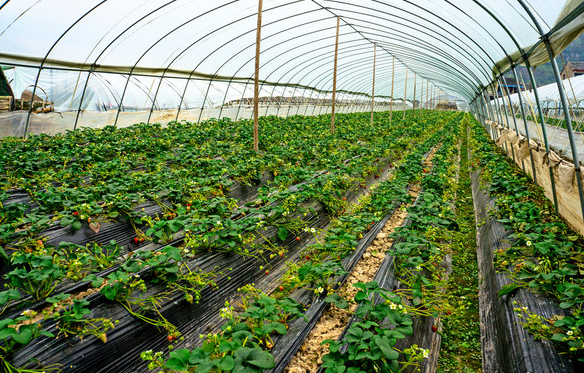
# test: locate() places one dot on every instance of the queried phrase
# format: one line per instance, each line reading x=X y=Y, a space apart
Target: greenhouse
x=291 y=186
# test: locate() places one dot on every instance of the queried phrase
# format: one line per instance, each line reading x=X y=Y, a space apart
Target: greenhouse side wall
x=519 y=150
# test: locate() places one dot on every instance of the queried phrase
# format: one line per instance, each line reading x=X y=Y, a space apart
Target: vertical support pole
x=433 y=96
x=543 y=130
x=480 y=111
x=483 y=108
x=510 y=105
x=506 y=94
x=292 y=101
x=415 y=76
x=392 y=81
x=568 y=120
x=256 y=87
x=493 y=115
x=335 y=77
x=422 y=97
x=405 y=95
x=488 y=105
x=500 y=108
x=497 y=113
x=488 y=113
x=503 y=106
x=82 y=98
x=373 y=87
x=494 y=118
x=497 y=105
x=427 y=97
x=524 y=122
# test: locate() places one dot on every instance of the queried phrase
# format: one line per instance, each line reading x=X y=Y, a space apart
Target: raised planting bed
x=287 y=348
x=395 y=327
x=318 y=276
x=178 y=269
x=531 y=289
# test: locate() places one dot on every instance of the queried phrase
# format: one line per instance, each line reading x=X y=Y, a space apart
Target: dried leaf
x=95 y=226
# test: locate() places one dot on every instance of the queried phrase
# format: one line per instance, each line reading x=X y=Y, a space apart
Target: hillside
x=544 y=74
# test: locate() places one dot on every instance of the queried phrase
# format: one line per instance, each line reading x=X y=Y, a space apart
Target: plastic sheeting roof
x=456 y=44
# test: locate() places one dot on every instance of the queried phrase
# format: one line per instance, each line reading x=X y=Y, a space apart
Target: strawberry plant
x=544 y=256
x=173 y=185
x=14 y=339
x=72 y=321
x=320 y=275
x=242 y=343
x=369 y=343
x=36 y=274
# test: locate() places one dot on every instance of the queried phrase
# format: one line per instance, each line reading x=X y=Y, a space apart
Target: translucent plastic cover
x=180 y=54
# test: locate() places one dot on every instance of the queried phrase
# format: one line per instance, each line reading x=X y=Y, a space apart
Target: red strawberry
x=170 y=338
x=449 y=312
x=136 y=240
x=344 y=199
x=267 y=272
x=281 y=288
x=75 y=213
x=434 y=328
x=297 y=238
x=307 y=257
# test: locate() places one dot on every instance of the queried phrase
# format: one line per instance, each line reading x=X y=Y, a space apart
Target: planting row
x=146 y=282
x=396 y=324
x=200 y=203
x=538 y=253
x=316 y=279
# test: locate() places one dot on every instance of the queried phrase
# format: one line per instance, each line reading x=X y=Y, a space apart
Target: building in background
x=572 y=69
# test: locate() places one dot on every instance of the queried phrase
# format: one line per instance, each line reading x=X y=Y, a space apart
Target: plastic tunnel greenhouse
x=291 y=186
